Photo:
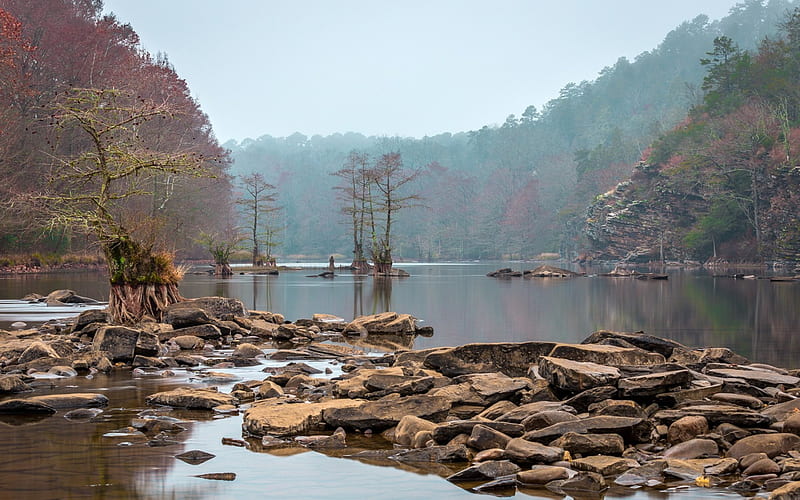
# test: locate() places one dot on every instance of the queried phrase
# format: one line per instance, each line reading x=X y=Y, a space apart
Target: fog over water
x=410 y=68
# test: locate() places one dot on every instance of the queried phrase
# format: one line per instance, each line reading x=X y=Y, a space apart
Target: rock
x=686 y=428
x=576 y=376
x=763 y=466
x=789 y=491
x=485 y=438
x=88 y=317
x=693 y=448
x=446 y=453
x=183 y=316
x=717 y=413
x=792 y=423
x=505 y=272
x=738 y=399
x=636 y=430
x=542 y=474
x=216 y=307
x=550 y=272
x=617 y=408
x=584 y=482
x=247 y=351
x=751 y=458
x=191 y=398
x=590 y=444
x=278 y=418
x=512 y=359
x=24 y=407
x=759 y=378
x=147 y=362
x=337 y=440
x=67 y=297
x=446 y=431
x=583 y=400
x=36 y=350
x=665 y=347
x=206 y=332
x=269 y=389
x=654 y=383
x=724 y=467
x=607 y=355
x=381 y=414
x=62 y=371
x=388 y=322
x=74 y=400
x=188 y=342
x=546 y=418
x=771 y=444
x=485 y=471
x=522 y=451
x=195 y=457
x=119 y=342
x=686 y=470
x=408 y=427
x=13 y=383
x=681 y=396
x=218 y=476
x=603 y=465
x=508 y=482
x=82 y=414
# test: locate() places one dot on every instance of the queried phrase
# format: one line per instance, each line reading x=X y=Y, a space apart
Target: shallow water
x=57 y=458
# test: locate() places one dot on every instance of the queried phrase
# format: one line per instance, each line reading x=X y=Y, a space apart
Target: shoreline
x=618 y=410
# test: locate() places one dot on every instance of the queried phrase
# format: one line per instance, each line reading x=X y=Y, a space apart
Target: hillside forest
x=685 y=152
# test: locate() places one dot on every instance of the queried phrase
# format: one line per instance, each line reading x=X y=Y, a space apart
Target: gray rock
x=576 y=376
x=206 y=332
x=665 y=347
x=636 y=430
x=759 y=378
x=216 y=307
x=381 y=414
x=37 y=349
x=607 y=355
x=718 y=413
x=485 y=438
x=583 y=400
x=654 y=383
x=446 y=453
x=119 y=342
x=510 y=358
x=485 y=471
x=693 y=448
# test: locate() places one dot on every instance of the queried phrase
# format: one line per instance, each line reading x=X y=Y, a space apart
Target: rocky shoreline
x=617 y=411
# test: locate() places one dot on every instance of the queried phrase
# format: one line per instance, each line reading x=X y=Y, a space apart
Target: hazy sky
x=380 y=67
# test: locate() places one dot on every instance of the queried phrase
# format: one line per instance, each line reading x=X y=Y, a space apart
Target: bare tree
x=258 y=206
x=102 y=168
x=389 y=177
x=355 y=192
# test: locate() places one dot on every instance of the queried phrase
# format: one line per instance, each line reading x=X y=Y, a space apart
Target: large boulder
x=216 y=307
x=276 y=417
x=771 y=444
x=36 y=350
x=651 y=343
x=67 y=297
x=609 y=355
x=387 y=412
x=205 y=399
x=576 y=376
x=522 y=451
x=653 y=383
x=511 y=358
x=388 y=322
x=73 y=400
x=119 y=342
x=180 y=317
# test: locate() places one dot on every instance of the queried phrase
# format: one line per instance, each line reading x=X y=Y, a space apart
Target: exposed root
x=129 y=304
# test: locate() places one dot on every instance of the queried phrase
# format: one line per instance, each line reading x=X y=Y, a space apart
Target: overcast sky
x=380 y=67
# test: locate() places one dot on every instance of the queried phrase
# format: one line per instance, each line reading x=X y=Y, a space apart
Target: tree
x=221 y=246
x=356 y=197
x=389 y=177
x=257 y=204
x=99 y=181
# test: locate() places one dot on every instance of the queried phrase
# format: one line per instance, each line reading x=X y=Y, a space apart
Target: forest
x=531 y=185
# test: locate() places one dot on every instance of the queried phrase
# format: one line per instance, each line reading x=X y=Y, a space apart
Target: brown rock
x=190 y=398
x=36 y=350
x=546 y=418
x=485 y=438
x=388 y=322
x=653 y=383
x=485 y=471
x=522 y=451
x=771 y=444
x=693 y=448
x=763 y=466
x=542 y=474
x=686 y=428
x=789 y=491
x=590 y=444
x=278 y=418
x=576 y=376
x=607 y=355
x=247 y=350
x=446 y=453
x=510 y=358
x=408 y=427
x=604 y=465
x=792 y=423
x=377 y=415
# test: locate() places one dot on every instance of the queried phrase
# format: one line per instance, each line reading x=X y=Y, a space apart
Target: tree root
x=132 y=303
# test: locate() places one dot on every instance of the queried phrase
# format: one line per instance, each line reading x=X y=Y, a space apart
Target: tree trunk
x=382 y=268
x=222 y=270
x=132 y=303
x=360 y=266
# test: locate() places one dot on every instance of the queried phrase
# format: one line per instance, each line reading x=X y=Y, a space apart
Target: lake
x=57 y=458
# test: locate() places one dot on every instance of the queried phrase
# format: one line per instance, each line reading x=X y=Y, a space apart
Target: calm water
x=56 y=458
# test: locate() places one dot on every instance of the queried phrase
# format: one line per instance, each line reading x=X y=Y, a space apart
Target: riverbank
x=618 y=411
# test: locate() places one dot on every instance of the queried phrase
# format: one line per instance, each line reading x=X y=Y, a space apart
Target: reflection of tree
x=381 y=294
x=358 y=295
x=262 y=283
